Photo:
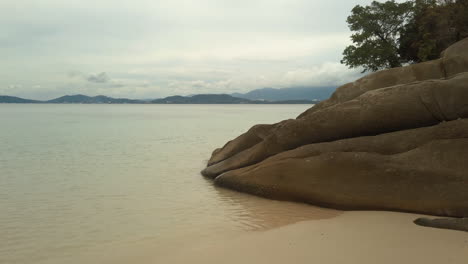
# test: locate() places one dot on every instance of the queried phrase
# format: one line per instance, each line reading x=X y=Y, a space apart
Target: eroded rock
x=381 y=142
x=378 y=111
x=430 y=178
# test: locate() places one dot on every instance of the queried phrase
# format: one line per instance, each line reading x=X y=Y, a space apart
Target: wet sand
x=259 y=215
x=352 y=237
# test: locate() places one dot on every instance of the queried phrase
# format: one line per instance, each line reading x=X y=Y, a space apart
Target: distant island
x=297 y=95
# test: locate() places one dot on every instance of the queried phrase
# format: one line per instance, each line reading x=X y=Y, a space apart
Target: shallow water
x=120 y=183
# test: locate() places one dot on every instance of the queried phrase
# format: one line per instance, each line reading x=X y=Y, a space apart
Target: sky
x=156 y=48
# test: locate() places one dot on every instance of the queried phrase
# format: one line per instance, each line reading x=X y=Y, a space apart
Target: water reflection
x=255 y=213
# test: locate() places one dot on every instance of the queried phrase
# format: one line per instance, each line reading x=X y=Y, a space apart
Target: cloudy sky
x=156 y=48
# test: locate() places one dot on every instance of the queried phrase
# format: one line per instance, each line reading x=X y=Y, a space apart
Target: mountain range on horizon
x=296 y=95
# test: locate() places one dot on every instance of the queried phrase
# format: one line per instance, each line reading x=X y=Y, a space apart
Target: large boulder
x=420 y=170
x=454 y=60
x=386 y=144
x=381 y=142
x=377 y=111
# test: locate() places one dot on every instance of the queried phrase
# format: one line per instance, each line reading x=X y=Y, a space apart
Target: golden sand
x=353 y=237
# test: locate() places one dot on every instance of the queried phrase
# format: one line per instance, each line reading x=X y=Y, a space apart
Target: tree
x=434 y=26
x=390 y=34
x=376 y=39
x=460 y=22
x=415 y=44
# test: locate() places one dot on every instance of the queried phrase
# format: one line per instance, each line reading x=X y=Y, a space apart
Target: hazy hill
x=100 y=99
x=220 y=99
x=202 y=99
x=16 y=100
x=195 y=99
x=295 y=93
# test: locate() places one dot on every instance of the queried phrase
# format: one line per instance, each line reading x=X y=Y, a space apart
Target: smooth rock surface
x=388 y=143
x=429 y=179
x=393 y=140
x=379 y=111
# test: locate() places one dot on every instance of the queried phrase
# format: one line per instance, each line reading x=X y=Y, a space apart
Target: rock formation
x=393 y=140
x=448 y=223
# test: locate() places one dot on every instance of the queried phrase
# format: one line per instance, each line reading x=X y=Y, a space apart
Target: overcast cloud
x=156 y=48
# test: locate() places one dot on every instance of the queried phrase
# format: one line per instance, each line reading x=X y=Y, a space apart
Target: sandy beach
x=234 y=132
x=352 y=237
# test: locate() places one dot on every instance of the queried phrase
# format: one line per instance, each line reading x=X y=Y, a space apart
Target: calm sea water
x=121 y=183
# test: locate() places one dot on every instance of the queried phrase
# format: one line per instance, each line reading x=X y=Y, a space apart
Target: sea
x=121 y=183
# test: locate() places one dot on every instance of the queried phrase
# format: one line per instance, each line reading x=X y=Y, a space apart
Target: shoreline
x=353 y=237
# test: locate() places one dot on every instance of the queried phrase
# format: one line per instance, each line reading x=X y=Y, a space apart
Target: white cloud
x=154 y=48
x=329 y=73
x=14 y=86
x=98 y=78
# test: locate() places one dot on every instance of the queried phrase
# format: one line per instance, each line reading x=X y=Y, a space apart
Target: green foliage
x=390 y=34
x=377 y=29
x=434 y=26
x=416 y=42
